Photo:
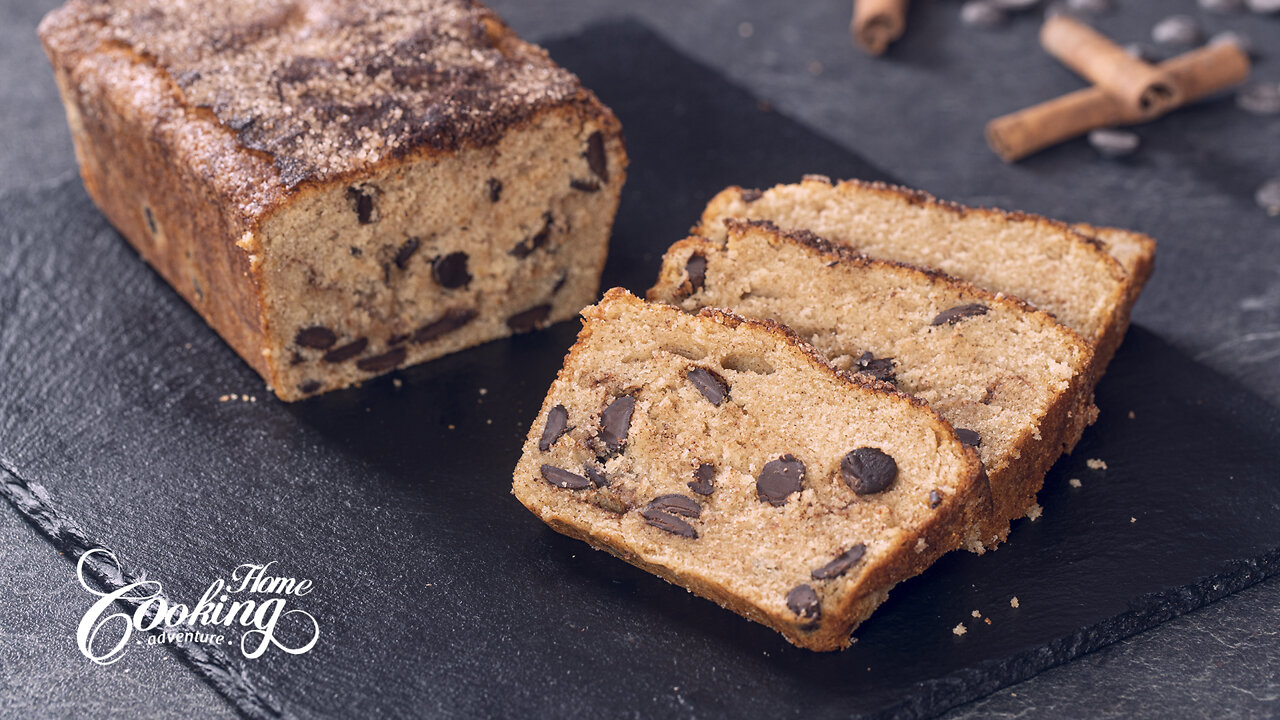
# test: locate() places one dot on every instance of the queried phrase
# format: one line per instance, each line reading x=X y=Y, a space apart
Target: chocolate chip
x=841 y=564
x=779 y=480
x=316 y=337
x=361 y=199
x=676 y=505
x=452 y=319
x=868 y=470
x=750 y=196
x=346 y=352
x=557 y=425
x=1113 y=143
x=615 y=422
x=712 y=386
x=935 y=499
x=451 y=270
x=495 y=190
x=596 y=159
x=381 y=363
x=968 y=437
x=562 y=478
x=564 y=277
x=525 y=248
x=309 y=386
x=951 y=316
x=151 y=219
x=878 y=368
x=406 y=251
x=803 y=601
x=597 y=478
x=527 y=320
x=666 y=521
x=702 y=478
x=696 y=269
x=588 y=186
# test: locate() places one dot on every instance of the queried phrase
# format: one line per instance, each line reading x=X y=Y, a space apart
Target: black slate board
x=437 y=594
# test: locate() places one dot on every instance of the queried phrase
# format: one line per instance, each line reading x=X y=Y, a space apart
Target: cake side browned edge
x=126 y=149
x=1013 y=489
x=945 y=530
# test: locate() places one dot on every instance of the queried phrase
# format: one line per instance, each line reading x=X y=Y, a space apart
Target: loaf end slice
x=723 y=454
x=1010 y=376
x=1045 y=262
x=342 y=189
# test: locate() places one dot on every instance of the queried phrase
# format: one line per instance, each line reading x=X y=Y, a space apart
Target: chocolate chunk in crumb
x=587 y=186
x=750 y=196
x=596 y=158
x=406 y=251
x=803 y=601
x=615 y=422
x=346 y=352
x=702 y=479
x=450 y=270
x=968 y=437
x=309 y=387
x=597 y=477
x=666 y=521
x=382 y=363
x=525 y=248
x=452 y=319
x=951 y=316
x=696 y=269
x=676 y=505
x=361 y=199
x=712 y=386
x=779 y=480
x=495 y=190
x=317 y=337
x=935 y=499
x=557 y=425
x=868 y=470
x=562 y=478
x=841 y=564
x=878 y=368
x=527 y=320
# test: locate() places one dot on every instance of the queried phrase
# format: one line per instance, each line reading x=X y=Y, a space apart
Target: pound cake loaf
x=341 y=188
x=1011 y=379
x=1047 y=263
x=725 y=456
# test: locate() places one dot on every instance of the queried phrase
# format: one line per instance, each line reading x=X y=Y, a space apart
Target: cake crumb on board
x=1033 y=512
x=1074 y=482
x=1096 y=464
x=1013 y=601
x=959 y=629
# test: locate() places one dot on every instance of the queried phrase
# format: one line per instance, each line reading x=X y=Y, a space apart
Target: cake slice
x=1009 y=377
x=341 y=188
x=725 y=456
x=1058 y=269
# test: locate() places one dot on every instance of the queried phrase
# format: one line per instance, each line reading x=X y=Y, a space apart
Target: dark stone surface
x=1216 y=295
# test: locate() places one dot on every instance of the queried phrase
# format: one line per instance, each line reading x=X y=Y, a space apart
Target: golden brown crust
x=944 y=530
x=1013 y=487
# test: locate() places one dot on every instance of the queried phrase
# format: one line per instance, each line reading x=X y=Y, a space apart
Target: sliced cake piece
x=1042 y=261
x=725 y=456
x=1011 y=378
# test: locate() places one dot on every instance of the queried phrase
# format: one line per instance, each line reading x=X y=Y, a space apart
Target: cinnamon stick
x=1143 y=87
x=876 y=23
x=1196 y=74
